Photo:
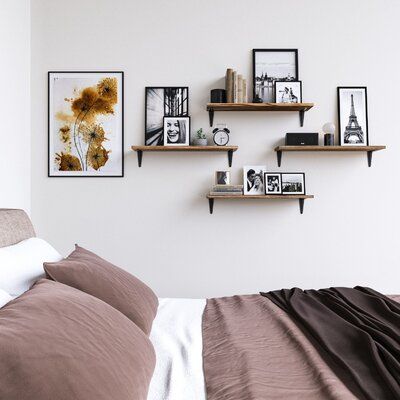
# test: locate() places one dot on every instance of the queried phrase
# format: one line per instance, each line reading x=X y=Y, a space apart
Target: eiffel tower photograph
x=353 y=116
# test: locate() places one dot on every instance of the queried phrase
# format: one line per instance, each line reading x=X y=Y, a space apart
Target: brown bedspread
x=252 y=350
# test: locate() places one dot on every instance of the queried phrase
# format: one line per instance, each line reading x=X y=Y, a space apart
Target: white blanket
x=177 y=339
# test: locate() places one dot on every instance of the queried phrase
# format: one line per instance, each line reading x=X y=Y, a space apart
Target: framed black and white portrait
x=163 y=102
x=288 y=92
x=273 y=183
x=353 y=116
x=222 y=177
x=270 y=65
x=176 y=131
x=253 y=179
x=293 y=183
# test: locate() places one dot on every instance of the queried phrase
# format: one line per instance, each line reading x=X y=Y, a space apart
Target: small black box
x=218 y=96
x=302 y=139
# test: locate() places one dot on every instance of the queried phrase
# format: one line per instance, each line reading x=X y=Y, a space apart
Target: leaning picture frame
x=293 y=183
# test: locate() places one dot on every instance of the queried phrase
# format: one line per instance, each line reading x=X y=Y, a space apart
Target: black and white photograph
x=273 y=183
x=163 y=102
x=293 y=183
x=353 y=116
x=288 y=92
x=270 y=65
x=222 y=177
x=253 y=179
x=176 y=131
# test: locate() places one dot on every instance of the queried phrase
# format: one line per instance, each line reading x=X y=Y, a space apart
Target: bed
x=273 y=346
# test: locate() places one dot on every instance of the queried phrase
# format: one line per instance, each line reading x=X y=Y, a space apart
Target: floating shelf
x=368 y=149
x=300 y=197
x=228 y=149
x=301 y=108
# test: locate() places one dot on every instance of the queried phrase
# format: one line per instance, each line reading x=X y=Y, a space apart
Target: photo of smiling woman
x=176 y=131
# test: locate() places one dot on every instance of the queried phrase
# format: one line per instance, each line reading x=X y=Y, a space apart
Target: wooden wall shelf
x=301 y=108
x=227 y=149
x=300 y=197
x=368 y=149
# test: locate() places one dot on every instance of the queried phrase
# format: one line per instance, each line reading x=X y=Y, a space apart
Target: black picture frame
x=155 y=137
x=188 y=135
x=294 y=173
x=266 y=174
x=255 y=51
x=340 y=119
x=288 y=83
x=49 y=175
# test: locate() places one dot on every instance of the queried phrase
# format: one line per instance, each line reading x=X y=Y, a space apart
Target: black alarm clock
x=221 y=135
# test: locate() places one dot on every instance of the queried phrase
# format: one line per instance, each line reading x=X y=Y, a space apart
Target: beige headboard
x=15 y=226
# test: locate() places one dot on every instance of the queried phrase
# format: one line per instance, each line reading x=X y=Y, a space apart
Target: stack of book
x=235 y=86
x=227 y=190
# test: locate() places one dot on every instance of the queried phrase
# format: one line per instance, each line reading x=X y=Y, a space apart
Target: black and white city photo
x=353 y=116
x=273 y=183
x=163 y=102
x=270 y=65
x=253 y=179
x=293 y=183
x=288 y=92
x=176 y=131
x=222 y=177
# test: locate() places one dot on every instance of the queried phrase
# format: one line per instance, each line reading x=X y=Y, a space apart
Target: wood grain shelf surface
x=184 y=148
x=329 y=148
x=262 y=197
x=259 y=106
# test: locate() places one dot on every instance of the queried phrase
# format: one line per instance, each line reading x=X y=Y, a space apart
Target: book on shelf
x=235 y=87
x=240 y=88
x=226 y=188
x=225 y=193
x=229 y=85
x=244 y=91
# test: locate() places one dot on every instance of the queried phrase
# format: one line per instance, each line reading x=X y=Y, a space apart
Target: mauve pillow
x=88 y=272
x=57 y=342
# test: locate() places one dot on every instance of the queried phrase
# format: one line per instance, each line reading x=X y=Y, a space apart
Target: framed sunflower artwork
x=86 y=124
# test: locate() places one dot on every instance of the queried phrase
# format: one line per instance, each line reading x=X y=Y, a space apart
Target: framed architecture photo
x=86 y=124
x=353 y=116
x=270 y=65
x=253 y=179
x=293 y=183
x=273 y=183
x=176 y=131
x=163 y=102
x=288 y=92
x=222 y=177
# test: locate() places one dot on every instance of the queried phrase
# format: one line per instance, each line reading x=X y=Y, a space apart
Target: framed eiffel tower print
x=353 y=116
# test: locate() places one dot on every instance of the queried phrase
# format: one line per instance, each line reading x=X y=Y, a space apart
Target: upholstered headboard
x=15 y=226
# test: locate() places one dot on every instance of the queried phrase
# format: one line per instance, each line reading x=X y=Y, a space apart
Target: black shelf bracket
x=211 y=116
x=279 y=157
x=301 y=115
x=369 y=157
x=230 y=156
x=211 y=205
x=139 y=157
x=301 y=204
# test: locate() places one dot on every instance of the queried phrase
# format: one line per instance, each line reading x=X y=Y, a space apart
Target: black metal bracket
x=230 y=156
x=279 y=157
x=211 y=205
x=301 y=204
x=369 y=156
x=139 y=157
x=211 y=116
x=301 y=115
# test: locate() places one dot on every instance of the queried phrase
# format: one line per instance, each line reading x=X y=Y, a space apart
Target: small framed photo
x=293 y=183
x=353 y=116
x=222 y=177
x=253 y=179
x=288 y=92
x=273 y=183
x=176 y=131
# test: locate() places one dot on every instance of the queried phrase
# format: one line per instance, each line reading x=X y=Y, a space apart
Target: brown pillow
x=57 y=342
x=88 y=272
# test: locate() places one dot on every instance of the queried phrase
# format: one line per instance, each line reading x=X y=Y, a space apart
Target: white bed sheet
x=177 y=338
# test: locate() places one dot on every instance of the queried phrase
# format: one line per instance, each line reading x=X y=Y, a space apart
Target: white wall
x=155 y=221
x=15 y=104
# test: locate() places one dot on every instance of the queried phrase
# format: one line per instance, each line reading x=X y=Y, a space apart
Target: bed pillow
x=22 y=264
x=88 y=272
x=57 y=342
x=4 y=298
